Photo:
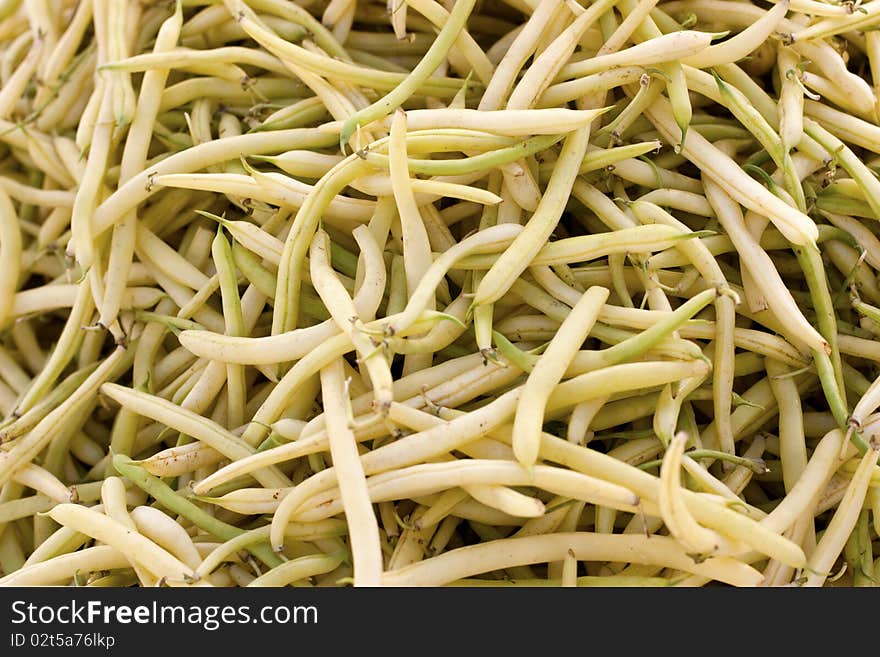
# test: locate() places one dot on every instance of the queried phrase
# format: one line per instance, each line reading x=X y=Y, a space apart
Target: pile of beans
x=439 y=292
